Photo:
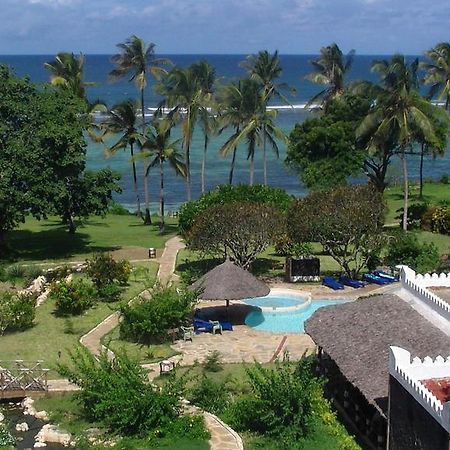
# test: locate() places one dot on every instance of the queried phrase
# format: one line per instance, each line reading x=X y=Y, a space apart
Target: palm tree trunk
x=405 y=190
x=161 y=173
x=205 y=150
x=135 y=186
x=447 y=103
x=264 y=156
x=187 y=156
x=252 y=168
x=421 y=171
x=148 y=217
x=233 y=162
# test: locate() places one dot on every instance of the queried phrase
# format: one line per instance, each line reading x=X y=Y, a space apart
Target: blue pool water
x=286 y=322
x=275 y=301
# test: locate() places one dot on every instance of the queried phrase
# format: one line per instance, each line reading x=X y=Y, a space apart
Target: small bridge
x=21 y=378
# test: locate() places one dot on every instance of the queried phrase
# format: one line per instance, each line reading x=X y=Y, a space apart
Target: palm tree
x=67 y=72
x=122 y=119
x=184 y=96
x=161 y=149
x=265 y=69
x=400 y=113
x=438 y=72
x=255 y=124
x=330 y=70
x=136 y=58
x=206 y=77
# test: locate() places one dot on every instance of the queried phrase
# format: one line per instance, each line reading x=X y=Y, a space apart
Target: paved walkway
x=168 y=260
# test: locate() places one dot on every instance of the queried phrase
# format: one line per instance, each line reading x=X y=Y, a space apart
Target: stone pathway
x=168 y=260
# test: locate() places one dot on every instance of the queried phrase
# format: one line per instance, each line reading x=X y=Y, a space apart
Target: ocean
x=295 y=67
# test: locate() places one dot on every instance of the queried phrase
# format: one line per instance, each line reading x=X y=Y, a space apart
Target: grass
x=48 y=240
x=52 y=337
x=65 y=411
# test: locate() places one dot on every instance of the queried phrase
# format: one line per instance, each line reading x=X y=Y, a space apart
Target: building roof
x=357 y=336
x=227 y=281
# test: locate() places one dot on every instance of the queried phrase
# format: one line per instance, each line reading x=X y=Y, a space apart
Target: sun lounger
x=208 y=326
x=226 y=326
x=349 y=282
x=188 y=333
x=391 y=278
x=372 y=278
x=332 y=283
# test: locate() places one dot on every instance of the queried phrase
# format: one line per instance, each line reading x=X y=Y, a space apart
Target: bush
x=105 y=271
x=117 y=209
x=445 y=179
x=149 y=320
x=213 y=362
x=109 y=292
x=226 y=193
x=415 y=214
x=117 y=394
x=212 y=396
x=405 y=249
x=17 y=311
x=73 y=297
x=440 y=220
x=14 y=272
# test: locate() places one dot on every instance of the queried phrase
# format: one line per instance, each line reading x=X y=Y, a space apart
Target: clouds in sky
x=223 y=26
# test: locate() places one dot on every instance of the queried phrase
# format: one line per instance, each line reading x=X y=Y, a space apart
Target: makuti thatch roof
x=357 y=337
x=229 y=282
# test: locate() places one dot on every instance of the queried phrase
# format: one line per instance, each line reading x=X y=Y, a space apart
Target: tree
x=206 y=76
x=122 y=120
x=238 y=230
x=438 y=72
x=159 y=147
x=265 y=69
x=330 y=70
x=136 y=58
x=400 y=114
x=346 y=221
x=323 y=149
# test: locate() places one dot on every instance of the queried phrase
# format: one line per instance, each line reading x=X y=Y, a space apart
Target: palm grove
x=361 y=126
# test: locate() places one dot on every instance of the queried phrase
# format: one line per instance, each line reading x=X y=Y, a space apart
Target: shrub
x=117 y=394
x=105 y=271
x=404 y=248
x=415 y=214
x=6 y=438
x=149 y=320
x=17 y=311
x=225 y=194
x=212 y=396
x=15 y=271
x=445 y=179
x=33 y=272
x=440 y=220
x=213 y=362
x=117 y=209
x=73 y=297
x=109 y=292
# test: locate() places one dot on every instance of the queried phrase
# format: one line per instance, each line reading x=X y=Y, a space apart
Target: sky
x=223 y=26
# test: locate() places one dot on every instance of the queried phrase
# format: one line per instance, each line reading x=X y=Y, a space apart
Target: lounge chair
x=332 y=283
x=349 y=282
x=226 y=326
x=391 y=278
x=372 y=278
x=188 y=333
x=208 y=326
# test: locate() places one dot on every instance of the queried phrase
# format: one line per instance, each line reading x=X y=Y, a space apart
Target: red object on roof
x=440 y=387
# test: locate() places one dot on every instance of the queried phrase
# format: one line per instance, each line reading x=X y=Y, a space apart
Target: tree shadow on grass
x=55 y=243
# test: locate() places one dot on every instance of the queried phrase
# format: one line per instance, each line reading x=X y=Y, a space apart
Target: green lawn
x=52 y=337
x=49 y=241
x=65 y=412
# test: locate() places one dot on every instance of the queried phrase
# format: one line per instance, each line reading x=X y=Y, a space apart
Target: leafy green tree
x=438 y=72
x=122 y=120
x=330 y=70
x=136 y=58
x=346 y=221
x=161 y=149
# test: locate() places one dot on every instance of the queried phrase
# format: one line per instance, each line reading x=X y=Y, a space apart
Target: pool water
x=275 y=301
x=286 y=322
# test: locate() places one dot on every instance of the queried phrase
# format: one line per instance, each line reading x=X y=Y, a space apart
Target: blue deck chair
x=391 y=278
x=372 y=278
x=332 y=283
x=349 y=282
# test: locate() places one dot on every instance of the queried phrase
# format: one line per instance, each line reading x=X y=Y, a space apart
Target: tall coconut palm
x=161 y=149
x=330 y=69
x=400 y=112
x=122 y=119
x=206 y=77
x=137 y=59
x=255 y=124
x=438 y=72
x=184 y=97
x=67 y=72
x=265 y=69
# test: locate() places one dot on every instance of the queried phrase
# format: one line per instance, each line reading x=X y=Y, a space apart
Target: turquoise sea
x=295 y=67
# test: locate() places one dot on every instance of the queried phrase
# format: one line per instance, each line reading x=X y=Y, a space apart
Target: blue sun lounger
x=391 y=278
x=332 y=283
x=349 y=282
x=372 y=278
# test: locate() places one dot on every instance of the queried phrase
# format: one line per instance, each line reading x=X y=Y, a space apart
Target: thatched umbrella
x=229 y=282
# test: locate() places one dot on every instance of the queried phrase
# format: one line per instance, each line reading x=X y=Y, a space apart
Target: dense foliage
x=238 y=230
x=17 y=311
x=149 y=320
x=278 y=198
x=347 y=221
x=72 y=297
x=117 y=394
x=405 y=248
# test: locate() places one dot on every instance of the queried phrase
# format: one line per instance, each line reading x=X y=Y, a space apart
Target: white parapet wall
x=417 y=285
x=409 y=374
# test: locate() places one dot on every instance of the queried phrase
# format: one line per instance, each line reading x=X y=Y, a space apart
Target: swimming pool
x=286 y=322
x=279 y=301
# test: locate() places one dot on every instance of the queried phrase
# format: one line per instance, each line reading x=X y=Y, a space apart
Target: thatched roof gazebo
x=228 y=282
